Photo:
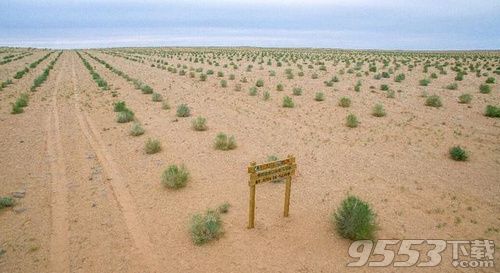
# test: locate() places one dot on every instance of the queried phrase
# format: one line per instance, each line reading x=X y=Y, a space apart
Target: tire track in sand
x=118 y=183
x=59 y=260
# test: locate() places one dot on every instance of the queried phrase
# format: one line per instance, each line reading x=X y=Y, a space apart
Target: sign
x=268 y=172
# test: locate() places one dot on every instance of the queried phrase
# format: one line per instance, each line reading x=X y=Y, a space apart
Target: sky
x=348 y=24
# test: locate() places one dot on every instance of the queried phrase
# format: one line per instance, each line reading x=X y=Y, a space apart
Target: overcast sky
x=356 y=24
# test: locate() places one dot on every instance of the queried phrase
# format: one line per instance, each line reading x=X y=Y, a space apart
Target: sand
x=94 y=200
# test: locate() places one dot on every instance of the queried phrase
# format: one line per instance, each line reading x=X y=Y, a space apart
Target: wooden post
x=251 y=208
x=251 y=204
x=287 y=196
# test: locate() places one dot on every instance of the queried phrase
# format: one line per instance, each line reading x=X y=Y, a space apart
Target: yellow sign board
x=267 y=172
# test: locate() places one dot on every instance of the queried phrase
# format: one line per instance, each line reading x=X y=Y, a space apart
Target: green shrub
x=424 y=82
x=297 y=91
x=6 y=201
x=223 y=83
x=175 y=177
x=205 y=228
x=352 y=121
x=119 y=106
x=378 y=110
x=279 y=87
x=16 y=109
x=252 y=91
x=22 y=101
x=400 y=77
x=223 y=142
x=458 y=154
x=452 y=86
x=484 y=89
x=266 y=95
x=136 y=129
x=165 y=105
x=146 y=89
x=152 y=146
x=384 y=87
x=320 y=96
x=125 y=116
x=433 y=101
x=203 y=77
x=259 y=83
x=345 y=102
x=391 y=94
x=288 y=102
x=490 y=80
x=354 y=219
x=183 y=111
x=199 y=124
x=492 y=111
x=465 y=98
x=156 y=97
x=223 y=208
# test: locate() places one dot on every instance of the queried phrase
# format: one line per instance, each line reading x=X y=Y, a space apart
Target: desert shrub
x=288 y=102
x=378 y=110
x=124 y=116
x=354 y=219
x=146 y=89
x=434 y=76
x=165 y=105
x=224 y=207
x=459 y=76
x=199 y=124
x=22 y=101
x=259 y=83
x=433 y=101
x=119 y=106
x=156 y=97
x=452 y=86
x=16 y=109
x=320 y=96
x=223 y=83
x=484 y=88
x=224 y=142
x=183 y=111
x=252 y=91
x=203 y=77
x=490 y=80
x=424 y=82
x=136 y=129
x=232 y=77
x=352 y=121
x=399 y=77
x=266 y=95
x=6 y=201
x=220 y=74
x=492 y=111
x=458 y=154
x=297 y=91
x=345 y=102
x=152 y=146
x=205 y=228
x=237 y=87
x=391 y=94
x=279 y=87
x=384 y=87
x=465 y=98
x=175 y=177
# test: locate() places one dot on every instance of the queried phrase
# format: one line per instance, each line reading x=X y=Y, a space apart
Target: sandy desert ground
x=92 y=200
